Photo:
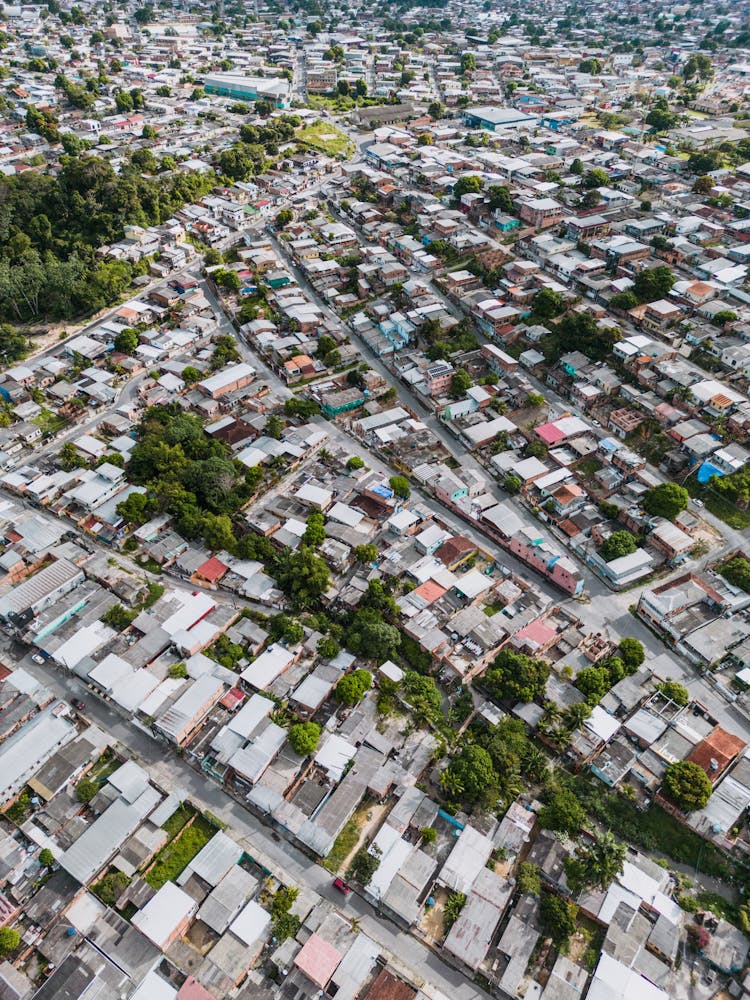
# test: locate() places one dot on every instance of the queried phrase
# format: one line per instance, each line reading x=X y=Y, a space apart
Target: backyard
x=177 y=854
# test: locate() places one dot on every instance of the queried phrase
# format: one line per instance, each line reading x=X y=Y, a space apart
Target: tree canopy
x=351 y=688
x=304 y=737
x=596 y=863
x=666 y=500
x=516 y=677
x=687 y=784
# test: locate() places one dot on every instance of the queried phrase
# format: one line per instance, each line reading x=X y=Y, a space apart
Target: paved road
x=413 y=958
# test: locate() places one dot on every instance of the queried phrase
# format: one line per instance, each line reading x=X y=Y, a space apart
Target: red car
x=340 y=884
x=78 y=705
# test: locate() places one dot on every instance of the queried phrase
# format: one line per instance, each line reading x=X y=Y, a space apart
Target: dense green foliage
x=737 y=572
x=666 y=500
x=516 y=677
x=687 y=784
x=304 y=738
x=558 y=917
x=620 y=543
x=596 y=862
x=50 y=228
x=352 y=687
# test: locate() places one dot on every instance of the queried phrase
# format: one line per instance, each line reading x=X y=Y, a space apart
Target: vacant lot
x=327 y=138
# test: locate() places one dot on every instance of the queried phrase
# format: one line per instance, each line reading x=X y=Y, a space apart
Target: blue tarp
x=706 y=471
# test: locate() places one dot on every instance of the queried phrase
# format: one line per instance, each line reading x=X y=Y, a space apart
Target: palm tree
x=450 y=783
x=596 y=863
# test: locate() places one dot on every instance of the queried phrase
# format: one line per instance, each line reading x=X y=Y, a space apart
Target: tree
x=118 y=617
x=86 y=790
x=365 y=864
x=435 y=110
x=660 y=118
x=423 y=695
x=620 y=543
x=624 y=301
x=218 y=533
x=355 y=462
x=591 y=199
x=562 y=811
x=9 y=940
x=666 y=500
x=737 y=572
x=111 y=887
x=516 y=677
x=595 y=178
x=594 y=682
x=632 y=652
x=596 y=862
x=558 y=917
x=576 y=167
x=126 y=341
x=528 y=878
x=302 y=575
x=674 y=690
x=512 y=483
x=328 y=648
x=591 y=65
x=469 y=184
x=70 y=457
x=460 y=383
x=428 y=834
x=687 y=784
x=473 y=772
x=547 y=304
x=400 y=486
x=134 y=509
x=274 y=426
x=46 y=858
x=304 y=738
x=499 y=198
x=703 y=185
x=366 y=553
x=535 y=400
x=352 y=687
x=371 y=637
x=283 y=218
x=190 y=375
x=315 y=532
x=654 y=283
x=177 y=671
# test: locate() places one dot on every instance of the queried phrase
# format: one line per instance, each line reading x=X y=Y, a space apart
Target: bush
x=558 y=917
x=177 y=670
x=428 y=834
x=111 y=887
x=355 y=462
x=46 y=858
x=400 y=486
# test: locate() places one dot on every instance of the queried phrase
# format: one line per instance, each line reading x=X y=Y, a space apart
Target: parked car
x=78 y=705
x=340 y=884
x=38 y=659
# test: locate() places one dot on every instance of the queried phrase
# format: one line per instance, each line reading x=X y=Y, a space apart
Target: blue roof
x=383 y=491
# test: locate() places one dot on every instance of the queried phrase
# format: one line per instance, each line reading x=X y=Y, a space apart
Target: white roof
x=473 y=583
x=615 y=981
x=269 y=665
x=227 y=376
x=154 y=987
x=250 y=715
x=334 y=755
x=602 y=724
x=314 y=494
x=192 y=607
x=163 y=913
x=250 y=924
x=345 y=514
x=402 y=519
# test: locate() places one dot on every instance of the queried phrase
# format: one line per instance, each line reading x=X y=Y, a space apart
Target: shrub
x=304 y=737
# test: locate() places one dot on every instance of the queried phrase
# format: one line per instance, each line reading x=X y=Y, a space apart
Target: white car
x=38 y=659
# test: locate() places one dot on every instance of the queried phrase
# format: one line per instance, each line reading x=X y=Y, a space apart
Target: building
x=240 y=87
x=229 y=379
x=496 y=119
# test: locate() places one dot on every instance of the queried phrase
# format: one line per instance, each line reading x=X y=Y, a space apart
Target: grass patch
x=652 y=830
x=107 y=764
x=327 y=138
x=717 y=504
x=718 y=905
x=177 y=820
x=49 y=422
x=491 y=610
x=342 y=846
x=174 y=858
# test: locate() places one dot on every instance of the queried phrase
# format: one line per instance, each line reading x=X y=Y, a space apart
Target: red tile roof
x=212 y=569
